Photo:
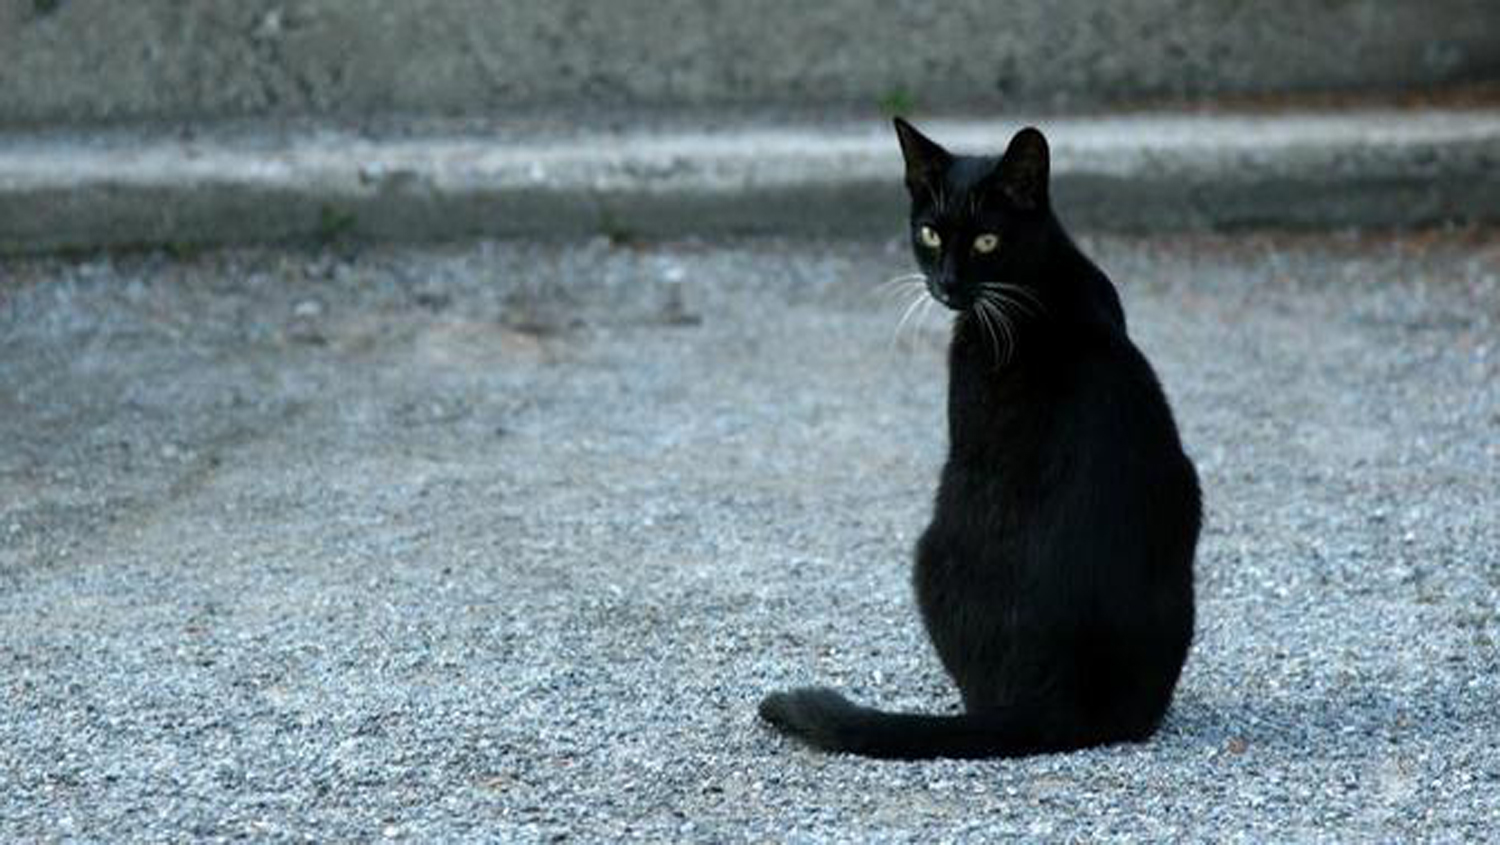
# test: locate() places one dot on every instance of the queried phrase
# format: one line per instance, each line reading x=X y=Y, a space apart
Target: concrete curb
x=1368 y=167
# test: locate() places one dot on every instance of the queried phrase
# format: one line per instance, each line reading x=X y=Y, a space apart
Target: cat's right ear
x=925 y=160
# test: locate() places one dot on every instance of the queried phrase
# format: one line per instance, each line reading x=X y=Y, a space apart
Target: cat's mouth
x=946 y=298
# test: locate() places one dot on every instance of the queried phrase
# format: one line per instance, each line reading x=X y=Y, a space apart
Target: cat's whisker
x=1008 y=326
x=915 y=303
x=896 y=284
x=982 y=312
x=1032 y=299
x=1010 y=335
x=915 y=329
x=975 y=315
x=996 y=309
x=911 y=307
x=1010 y=331
x=1006 y=329
x=900 y=291
x=1004 y=302
x=1017 y=293
x=927 y=305
x=1022 y=289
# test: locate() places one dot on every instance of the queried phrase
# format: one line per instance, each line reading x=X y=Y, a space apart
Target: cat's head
x=975 y=220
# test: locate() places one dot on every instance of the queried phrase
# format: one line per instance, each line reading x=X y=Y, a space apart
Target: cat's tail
x=826 y=720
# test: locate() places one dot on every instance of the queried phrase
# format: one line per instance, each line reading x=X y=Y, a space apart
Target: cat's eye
x=986 y=243
x=928 y=237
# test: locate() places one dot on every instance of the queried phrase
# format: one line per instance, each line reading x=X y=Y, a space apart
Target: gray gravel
x=505 y=542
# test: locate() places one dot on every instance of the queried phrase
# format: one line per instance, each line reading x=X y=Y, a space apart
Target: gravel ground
x=504 y=542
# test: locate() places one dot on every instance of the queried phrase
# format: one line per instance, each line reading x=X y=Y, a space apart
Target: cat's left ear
x=1022 y=172
x=925 y=160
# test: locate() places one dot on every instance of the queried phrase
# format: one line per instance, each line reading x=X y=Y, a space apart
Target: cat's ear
x=925 y=160
x=1022 y=172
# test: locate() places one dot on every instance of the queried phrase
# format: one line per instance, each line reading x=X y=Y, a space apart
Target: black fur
x=1056 y=577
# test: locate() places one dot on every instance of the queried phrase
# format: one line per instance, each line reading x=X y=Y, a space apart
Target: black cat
x=1056 y=578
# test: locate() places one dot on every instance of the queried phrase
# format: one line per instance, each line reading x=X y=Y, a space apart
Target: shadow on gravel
x=1360 y=719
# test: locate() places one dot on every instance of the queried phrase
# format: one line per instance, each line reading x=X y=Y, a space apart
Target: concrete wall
x=70 y=61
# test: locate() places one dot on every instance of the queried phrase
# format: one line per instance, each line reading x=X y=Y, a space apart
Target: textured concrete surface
x=69 y=61
x=553 y=178
x=503 y=543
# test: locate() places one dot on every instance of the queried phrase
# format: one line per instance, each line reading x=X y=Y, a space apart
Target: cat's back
x=1111 y=415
